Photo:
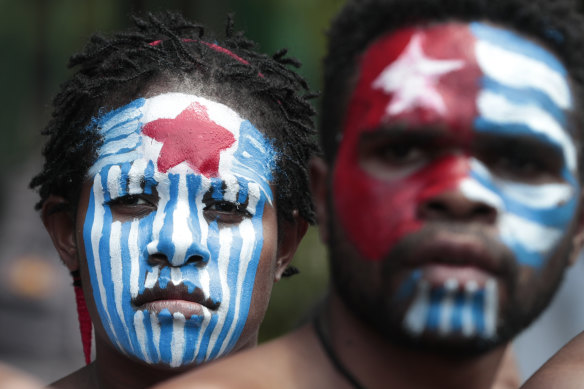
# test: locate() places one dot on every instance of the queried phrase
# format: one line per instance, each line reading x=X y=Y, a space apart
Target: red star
x=192 y=137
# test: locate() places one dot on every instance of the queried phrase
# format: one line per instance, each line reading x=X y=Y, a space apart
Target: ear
x=292 y=233
x=59 y=221
x=578 y=238
x=318 y=187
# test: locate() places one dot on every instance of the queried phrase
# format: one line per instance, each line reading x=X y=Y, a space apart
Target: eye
x=132 y=205
x=226 y=211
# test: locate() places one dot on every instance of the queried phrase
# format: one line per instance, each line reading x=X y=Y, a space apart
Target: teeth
x=471 y=287
x=451 y=285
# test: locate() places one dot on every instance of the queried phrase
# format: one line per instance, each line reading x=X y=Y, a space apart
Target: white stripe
x=491 y=308
x=231 y=189
x=531 y=235
x=417 y=314
x=182 y=236
x=177 y=344
x=176 y=275
x=96 y=234
x=113 y=181
x=134 y=258
x=116 y=159
x=473 y=190
x=225 y=243
x=508 y=68
x=468 y=324
x=117 y=271
x=152 y=278
x=253 y=197
x=130 y=142
x=537 y=196
x=445 y=322
x=141 y=334
x=497 y=108
x=136 y=175
x=163 y=198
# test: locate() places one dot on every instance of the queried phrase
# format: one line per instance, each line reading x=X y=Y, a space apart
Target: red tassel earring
x=83 y=316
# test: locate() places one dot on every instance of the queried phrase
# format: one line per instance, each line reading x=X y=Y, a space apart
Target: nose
x=164 y=253
x=180 y=241
x=455 y=205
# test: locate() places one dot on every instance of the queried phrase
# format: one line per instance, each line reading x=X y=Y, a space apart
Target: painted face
x=459 y=124
x=175 y=218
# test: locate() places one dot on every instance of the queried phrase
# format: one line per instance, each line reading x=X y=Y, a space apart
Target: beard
x=370 y=290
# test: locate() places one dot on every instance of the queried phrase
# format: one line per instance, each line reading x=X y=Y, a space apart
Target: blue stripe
x=103 y=119
x=215 y=289
x=191 y=332
x=149 y=181
x=478 y=313
x=513 y=42
x=457 y=310
x=436 y=307
x=408 y=287
x=217 y=188
x=144 y=237
x=166 y=328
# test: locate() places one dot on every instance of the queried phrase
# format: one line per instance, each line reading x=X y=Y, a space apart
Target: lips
x=446 y=256
x=175 y=299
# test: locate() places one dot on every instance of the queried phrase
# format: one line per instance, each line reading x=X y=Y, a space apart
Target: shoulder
x=11 y=378
x=283 y=363
x=564 y=370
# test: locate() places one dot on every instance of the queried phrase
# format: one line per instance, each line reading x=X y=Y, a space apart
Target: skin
x=563 y=370
x=166 y=287
x=421 y=211
x=11 y=378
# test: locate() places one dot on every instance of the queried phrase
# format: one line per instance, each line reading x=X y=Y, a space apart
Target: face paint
x=199 y=177
x=459 y=83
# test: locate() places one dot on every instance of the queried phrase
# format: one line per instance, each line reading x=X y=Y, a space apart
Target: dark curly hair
x=559 y=24
x=166 y=48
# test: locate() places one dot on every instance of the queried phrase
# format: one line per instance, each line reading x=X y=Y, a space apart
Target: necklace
x=328 y=349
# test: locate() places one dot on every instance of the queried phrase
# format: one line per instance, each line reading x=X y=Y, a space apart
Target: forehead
x=445 y=68
x=182 y=133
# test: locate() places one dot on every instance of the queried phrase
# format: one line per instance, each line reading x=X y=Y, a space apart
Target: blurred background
x=38 y=325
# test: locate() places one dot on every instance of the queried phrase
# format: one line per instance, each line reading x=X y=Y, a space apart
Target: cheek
x=376 y=214
x=534 y=225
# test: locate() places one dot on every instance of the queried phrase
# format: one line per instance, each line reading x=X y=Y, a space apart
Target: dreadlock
x=559 y=24
x=162 y=48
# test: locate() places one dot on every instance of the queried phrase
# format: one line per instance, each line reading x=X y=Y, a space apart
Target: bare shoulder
x=11 y=378
x=82 y=378
x=282 y=363
x=565 y=370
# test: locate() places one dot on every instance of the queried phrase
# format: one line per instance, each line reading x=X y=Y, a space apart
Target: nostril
x=196 y=260
x=436 y=206
x=157 y=260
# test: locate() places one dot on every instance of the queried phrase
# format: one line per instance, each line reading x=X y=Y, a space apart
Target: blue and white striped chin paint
x=152 y=155
x=523 y=91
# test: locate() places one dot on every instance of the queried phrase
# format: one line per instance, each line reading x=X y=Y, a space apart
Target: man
x=175 y=189
x=449 y=196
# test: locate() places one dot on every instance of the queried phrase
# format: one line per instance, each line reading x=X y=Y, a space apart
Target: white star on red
x=412 y=79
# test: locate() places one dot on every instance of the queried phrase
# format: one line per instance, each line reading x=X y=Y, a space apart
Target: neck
x=114 y=370
x=377 y=363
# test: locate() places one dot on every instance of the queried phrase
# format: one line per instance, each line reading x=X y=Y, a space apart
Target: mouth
x=455 y=259
x=175 y=299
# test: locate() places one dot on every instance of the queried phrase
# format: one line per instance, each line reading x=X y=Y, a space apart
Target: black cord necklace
x=342 y=370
